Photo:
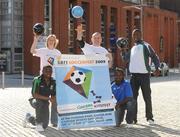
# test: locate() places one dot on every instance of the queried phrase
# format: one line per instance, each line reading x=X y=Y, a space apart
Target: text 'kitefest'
x=81 y=61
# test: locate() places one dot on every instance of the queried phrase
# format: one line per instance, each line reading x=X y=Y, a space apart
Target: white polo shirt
x=90 y=49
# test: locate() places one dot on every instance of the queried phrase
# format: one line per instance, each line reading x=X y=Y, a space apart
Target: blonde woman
x=48 y=53
x=47 y=56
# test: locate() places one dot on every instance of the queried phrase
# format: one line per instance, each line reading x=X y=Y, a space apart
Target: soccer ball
x=78 y=77
x=38 y=28
x=122 y=42
x=77 y=11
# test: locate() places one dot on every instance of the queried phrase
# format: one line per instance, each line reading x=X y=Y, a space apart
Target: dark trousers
x=142 y=81
x=120 y=112
x=42 y=113
x=54 y=115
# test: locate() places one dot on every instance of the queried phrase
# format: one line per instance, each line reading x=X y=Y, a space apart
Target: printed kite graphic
x=79 y=79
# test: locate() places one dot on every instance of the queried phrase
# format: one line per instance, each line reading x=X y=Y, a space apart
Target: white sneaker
x=39 y=128
x=129 y=125
x=151 y=122
x=26 y=120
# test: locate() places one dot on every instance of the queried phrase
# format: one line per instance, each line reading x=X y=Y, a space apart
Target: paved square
x=166 y=109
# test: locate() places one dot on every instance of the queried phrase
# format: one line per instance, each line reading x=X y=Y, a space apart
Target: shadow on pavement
x=170 y=131
x=101 y=132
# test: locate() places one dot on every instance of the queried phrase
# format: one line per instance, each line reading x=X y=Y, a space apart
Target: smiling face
x=96 y=39
x=119 y=76
x=51 y=41
x=47 y=72
x=136 y=35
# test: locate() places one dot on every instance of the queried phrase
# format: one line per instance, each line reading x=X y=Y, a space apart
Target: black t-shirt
x=40 y=87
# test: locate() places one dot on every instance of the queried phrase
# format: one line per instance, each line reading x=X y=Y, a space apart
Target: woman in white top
x=47 y=55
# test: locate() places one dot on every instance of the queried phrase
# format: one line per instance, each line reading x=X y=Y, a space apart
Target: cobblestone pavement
x=166 y=109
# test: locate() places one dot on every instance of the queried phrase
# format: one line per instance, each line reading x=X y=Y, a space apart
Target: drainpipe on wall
x=141 y=14
x=50 y=16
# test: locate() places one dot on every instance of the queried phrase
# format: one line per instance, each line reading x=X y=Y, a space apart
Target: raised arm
x=79 y=38
x=125 y=56
x=34 y=44
x=79 y=31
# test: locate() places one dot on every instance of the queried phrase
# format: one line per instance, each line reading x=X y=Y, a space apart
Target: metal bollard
x=22 y=78
x=163 y=72
x=3 y=79
x=126 y=72
x=174 y=70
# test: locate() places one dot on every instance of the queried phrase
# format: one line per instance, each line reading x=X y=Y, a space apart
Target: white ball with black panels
x=78 y=77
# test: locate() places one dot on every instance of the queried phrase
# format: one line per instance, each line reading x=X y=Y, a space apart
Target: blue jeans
x=120 y=112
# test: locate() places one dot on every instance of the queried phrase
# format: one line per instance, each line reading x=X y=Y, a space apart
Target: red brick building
x=112 y=18
x=175 y=7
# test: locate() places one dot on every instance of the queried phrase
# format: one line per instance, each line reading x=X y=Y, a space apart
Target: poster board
x=84 y=97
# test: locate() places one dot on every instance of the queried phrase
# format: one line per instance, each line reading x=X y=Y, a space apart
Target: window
x=134 y=1
x=103 y=24
x=46 y=10
x=18 y=50
x=113 y=27
x=6 y=37
x=4 y=4
x=71 y=35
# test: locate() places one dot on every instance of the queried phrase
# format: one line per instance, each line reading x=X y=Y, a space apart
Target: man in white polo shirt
x=95 y=48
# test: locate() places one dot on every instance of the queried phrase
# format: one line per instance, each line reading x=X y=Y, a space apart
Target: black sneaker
x=135 y=121
x=54 y=125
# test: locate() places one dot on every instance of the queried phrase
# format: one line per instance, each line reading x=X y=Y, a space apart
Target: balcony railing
x=150 y=3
